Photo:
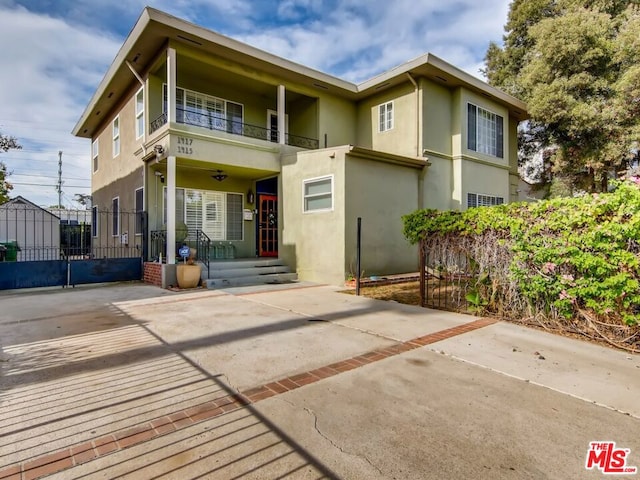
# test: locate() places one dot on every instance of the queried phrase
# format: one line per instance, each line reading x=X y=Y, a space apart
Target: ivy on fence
x=574 y=261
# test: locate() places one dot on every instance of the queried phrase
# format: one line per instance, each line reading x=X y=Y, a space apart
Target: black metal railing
x=196 y=239
x=213 y=122
x=29 y=233
x=203 y=249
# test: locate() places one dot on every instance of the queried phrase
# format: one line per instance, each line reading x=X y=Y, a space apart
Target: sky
x=53 y=54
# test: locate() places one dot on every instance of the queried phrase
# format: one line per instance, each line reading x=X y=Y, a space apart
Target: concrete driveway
x=130 y=381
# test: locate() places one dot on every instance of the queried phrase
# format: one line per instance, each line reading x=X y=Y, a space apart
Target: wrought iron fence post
x=422 y=252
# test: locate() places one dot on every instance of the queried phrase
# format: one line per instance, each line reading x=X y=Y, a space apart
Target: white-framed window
x=140 y=113
x=139 y=207
x=116 y=136
x=94 y=221
x=317 y=194
x=484 y=131
x=115 y=216
x=385 y=116
x=94 y=155
x=483 y=200
x=218 y=214
x=195 y=108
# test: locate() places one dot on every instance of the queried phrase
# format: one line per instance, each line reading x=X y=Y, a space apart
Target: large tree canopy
x=577 y=65
x=6 y=143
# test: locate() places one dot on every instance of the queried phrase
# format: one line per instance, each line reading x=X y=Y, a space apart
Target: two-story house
x=277 y=159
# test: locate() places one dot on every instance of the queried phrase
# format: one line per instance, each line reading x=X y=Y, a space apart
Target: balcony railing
x=213 y=122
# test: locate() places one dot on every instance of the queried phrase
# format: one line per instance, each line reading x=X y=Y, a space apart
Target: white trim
x=115 y=136
x=389 y=111
x=273 y=113
x=307 y=181
x=140 y=116
x=95 y=150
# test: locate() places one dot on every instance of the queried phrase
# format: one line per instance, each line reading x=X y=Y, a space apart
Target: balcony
x=214 y=122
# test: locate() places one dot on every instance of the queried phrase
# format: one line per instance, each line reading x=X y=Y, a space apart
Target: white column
x=171 y=160
x=281 y=116
x=171 y=85
x=171 y=210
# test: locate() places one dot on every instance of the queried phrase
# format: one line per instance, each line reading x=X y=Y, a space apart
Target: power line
x=45 y=176
x=48 y=185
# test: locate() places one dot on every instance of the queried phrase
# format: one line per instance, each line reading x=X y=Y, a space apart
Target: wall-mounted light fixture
x=219 y=176
x=250 y=197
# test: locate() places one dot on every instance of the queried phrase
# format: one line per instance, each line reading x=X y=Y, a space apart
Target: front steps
x=249 y=271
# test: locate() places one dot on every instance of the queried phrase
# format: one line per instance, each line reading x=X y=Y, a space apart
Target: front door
x=268 y=225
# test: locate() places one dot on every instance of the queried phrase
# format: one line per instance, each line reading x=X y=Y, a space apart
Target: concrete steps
x=241 y=272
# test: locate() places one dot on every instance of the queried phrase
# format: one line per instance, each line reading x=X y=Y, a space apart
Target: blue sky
x=55 y=52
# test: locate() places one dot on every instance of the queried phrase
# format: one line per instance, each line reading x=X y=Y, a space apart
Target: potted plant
x=188 y=272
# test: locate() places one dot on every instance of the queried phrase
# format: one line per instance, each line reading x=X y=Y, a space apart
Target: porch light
x=219 y=176
x=250 y=197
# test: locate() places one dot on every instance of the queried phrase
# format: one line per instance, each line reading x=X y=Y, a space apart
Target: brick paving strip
x=84 y=452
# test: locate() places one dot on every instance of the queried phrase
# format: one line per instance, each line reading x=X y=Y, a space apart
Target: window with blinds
x=218 y=214
x=482 y=200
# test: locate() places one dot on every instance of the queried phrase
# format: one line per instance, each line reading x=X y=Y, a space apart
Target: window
x=218 y=214
x=194 y=108
x=484 y=131
x=139 y=205
x=318 y=194
x=481 y=200
x=115 y=212
x=140 y=113
x=94 y=221
x=385 y=114
x=94 y=155
x=116 y=136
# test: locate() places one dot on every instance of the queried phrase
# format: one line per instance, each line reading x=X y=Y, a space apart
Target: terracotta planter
x=188 y=275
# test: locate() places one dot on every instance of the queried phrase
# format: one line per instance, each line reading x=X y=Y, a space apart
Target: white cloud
x=51 y=65
x=50 y=69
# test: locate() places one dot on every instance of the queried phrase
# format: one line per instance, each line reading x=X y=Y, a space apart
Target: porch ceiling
x=209 y=168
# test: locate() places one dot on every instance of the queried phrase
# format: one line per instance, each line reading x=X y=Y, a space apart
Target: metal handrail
x=203 y=249
x=212 y=122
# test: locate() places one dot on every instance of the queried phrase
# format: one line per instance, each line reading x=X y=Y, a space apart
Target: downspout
x=423 y=170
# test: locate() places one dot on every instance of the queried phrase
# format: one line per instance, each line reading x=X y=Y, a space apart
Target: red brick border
x=152 y=274
x=87 y=451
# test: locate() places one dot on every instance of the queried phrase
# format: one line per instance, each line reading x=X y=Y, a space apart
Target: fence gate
x=44 y=248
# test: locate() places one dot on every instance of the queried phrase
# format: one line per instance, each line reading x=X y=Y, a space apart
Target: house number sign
x=185 y=146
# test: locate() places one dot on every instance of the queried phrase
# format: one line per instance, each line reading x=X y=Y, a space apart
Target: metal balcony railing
x=213 y=122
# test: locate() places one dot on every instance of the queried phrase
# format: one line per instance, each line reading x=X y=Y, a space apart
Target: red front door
x=268 y=226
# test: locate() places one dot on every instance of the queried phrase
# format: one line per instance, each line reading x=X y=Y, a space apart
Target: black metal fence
x=449 y=279
x=30 y=233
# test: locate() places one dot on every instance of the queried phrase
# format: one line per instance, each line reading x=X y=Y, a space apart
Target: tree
x=83 y=199
x=6 y=143
x=576 y=65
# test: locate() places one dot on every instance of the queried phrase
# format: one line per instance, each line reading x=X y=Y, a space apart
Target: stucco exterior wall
x=402 y=138
x=483 y=179
x=438 y=183
x=380 y=193
x=337 y=120
x=437 y=118
x=313 y=243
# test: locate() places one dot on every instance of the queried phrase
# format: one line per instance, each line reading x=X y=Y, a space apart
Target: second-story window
x=484 y=131
x=385 y=116
x=116 y=136
x=140 y=113
x=94 y=155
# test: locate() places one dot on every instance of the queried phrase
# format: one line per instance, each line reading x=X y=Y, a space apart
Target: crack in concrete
x=334 y=444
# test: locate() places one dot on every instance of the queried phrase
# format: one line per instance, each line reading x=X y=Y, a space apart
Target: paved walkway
x=296 y=383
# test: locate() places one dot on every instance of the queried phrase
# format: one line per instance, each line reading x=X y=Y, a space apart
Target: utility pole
x=59 y=186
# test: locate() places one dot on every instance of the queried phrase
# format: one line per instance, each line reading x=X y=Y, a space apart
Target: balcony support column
x=171 y=85
x=281 y=115
x=171 y=210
